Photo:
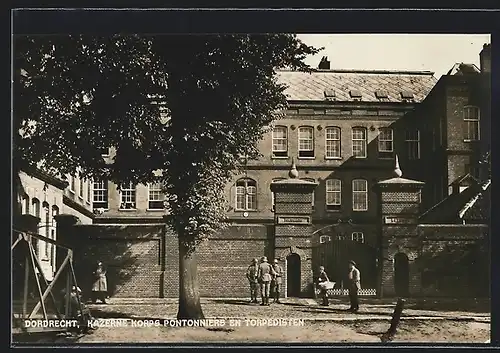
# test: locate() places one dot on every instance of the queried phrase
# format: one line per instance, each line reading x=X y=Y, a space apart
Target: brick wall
x=143 y=260
x=454 y=260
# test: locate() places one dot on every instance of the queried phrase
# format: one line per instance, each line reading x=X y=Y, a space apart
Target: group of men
x=268 y=277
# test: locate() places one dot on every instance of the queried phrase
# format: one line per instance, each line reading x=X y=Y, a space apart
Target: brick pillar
x=399 y=209
x=293 y=229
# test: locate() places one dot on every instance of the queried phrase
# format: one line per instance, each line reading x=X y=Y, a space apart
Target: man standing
x=276 y=282
x=322 y=281
x=354 y=286
x=264 y=275
x=252 y=280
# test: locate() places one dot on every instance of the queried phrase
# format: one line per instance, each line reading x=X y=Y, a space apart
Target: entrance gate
x=335 y=255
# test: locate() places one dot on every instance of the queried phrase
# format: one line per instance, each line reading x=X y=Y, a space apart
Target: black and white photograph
x=251 y=188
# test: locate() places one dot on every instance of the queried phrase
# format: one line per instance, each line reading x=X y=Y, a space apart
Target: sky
x=421 y=52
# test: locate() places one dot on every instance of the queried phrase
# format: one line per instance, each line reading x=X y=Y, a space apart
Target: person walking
x=276 y=282
x=252 y=279
x=322 y=281
x=100 y=285
x=354 y=286
x=264 y=275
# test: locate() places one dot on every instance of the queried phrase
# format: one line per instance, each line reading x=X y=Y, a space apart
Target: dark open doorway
x=293 y=275
x=401 y=274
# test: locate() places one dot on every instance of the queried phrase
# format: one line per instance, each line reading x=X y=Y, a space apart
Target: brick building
x=342 y=132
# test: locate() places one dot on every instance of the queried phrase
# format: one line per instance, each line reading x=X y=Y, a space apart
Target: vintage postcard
x=177 y=189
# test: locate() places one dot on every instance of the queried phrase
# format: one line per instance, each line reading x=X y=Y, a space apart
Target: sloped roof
x=459 y=206
x=463 y=69
x=303 y=86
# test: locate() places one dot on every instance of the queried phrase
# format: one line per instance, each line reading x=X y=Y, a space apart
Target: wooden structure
x=27 y=269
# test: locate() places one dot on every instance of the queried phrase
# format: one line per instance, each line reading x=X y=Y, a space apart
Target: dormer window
x=382 y=95
x=355 y=94
x=407 y=96
x=329 y=94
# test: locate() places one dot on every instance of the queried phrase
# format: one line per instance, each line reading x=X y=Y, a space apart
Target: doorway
x=401 y=274
x=293 y=275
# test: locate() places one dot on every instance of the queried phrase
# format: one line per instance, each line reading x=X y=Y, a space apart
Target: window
x=359 y=195
x=127 y=196
x=273 y=200
x=324 y=239
x=340 y=237
x=156 y=197
x=385 y=143
x=89 y=190
x=55 y=212
x=312 y=196
x=280 y=141
x=25 y=204
x=358 y=237
x=100 y=194
x=246 y=195
x=471 y=122
x=306 y=142
x=332 y=136
x=359 y=142
x=80 y=190
x=36 y=207
x=72 y=185
x=333 y=194
x=412 y=140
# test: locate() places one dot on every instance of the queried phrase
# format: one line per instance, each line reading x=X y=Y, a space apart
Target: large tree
x=76 y=95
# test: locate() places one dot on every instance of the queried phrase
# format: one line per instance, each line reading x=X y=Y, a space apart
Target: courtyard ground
x=423 y=321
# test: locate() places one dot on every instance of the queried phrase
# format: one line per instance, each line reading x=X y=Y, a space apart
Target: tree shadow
x=233 y=302
x=126 y=253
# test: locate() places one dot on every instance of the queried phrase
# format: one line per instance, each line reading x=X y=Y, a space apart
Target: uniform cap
x=352 y=262
x=264 y=259
x=255 y=260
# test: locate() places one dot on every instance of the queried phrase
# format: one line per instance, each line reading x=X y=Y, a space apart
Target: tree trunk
x=189 y=293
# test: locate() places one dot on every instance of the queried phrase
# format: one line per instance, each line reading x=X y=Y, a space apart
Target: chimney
x=485 y=58
x=324 y=64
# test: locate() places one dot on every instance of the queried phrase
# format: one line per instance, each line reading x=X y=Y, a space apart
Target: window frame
x=365 y=192
x=100 y=192
x=409 y=142
x=385 y=153
x=81 y=184
x=325 y=237
x=335 y=141
x=157 y=189
x=357 y=237
x=279 y=153
x=246 y=194
x=128 y=192
x=72 y=184
x=364 y=130
x=467 y=121
x=309 y=153
x=333 y=207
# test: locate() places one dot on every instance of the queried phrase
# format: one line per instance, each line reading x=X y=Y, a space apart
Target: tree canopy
x=75 y=95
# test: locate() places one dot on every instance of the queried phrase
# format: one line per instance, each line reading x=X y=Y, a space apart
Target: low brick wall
x=143 y=260
x=454 y=260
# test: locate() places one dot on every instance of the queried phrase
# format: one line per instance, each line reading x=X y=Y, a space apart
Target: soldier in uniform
x=276 y=282
x=264 y=275
x=252 y=280
x=354 y=286
x=322 y=279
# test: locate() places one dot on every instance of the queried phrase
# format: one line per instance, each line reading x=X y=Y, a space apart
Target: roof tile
x=304 y=86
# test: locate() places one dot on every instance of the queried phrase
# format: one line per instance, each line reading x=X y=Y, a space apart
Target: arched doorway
x=401 y=274
x=293 y=275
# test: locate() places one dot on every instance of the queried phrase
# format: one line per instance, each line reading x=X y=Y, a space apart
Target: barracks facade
x=318 y=194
